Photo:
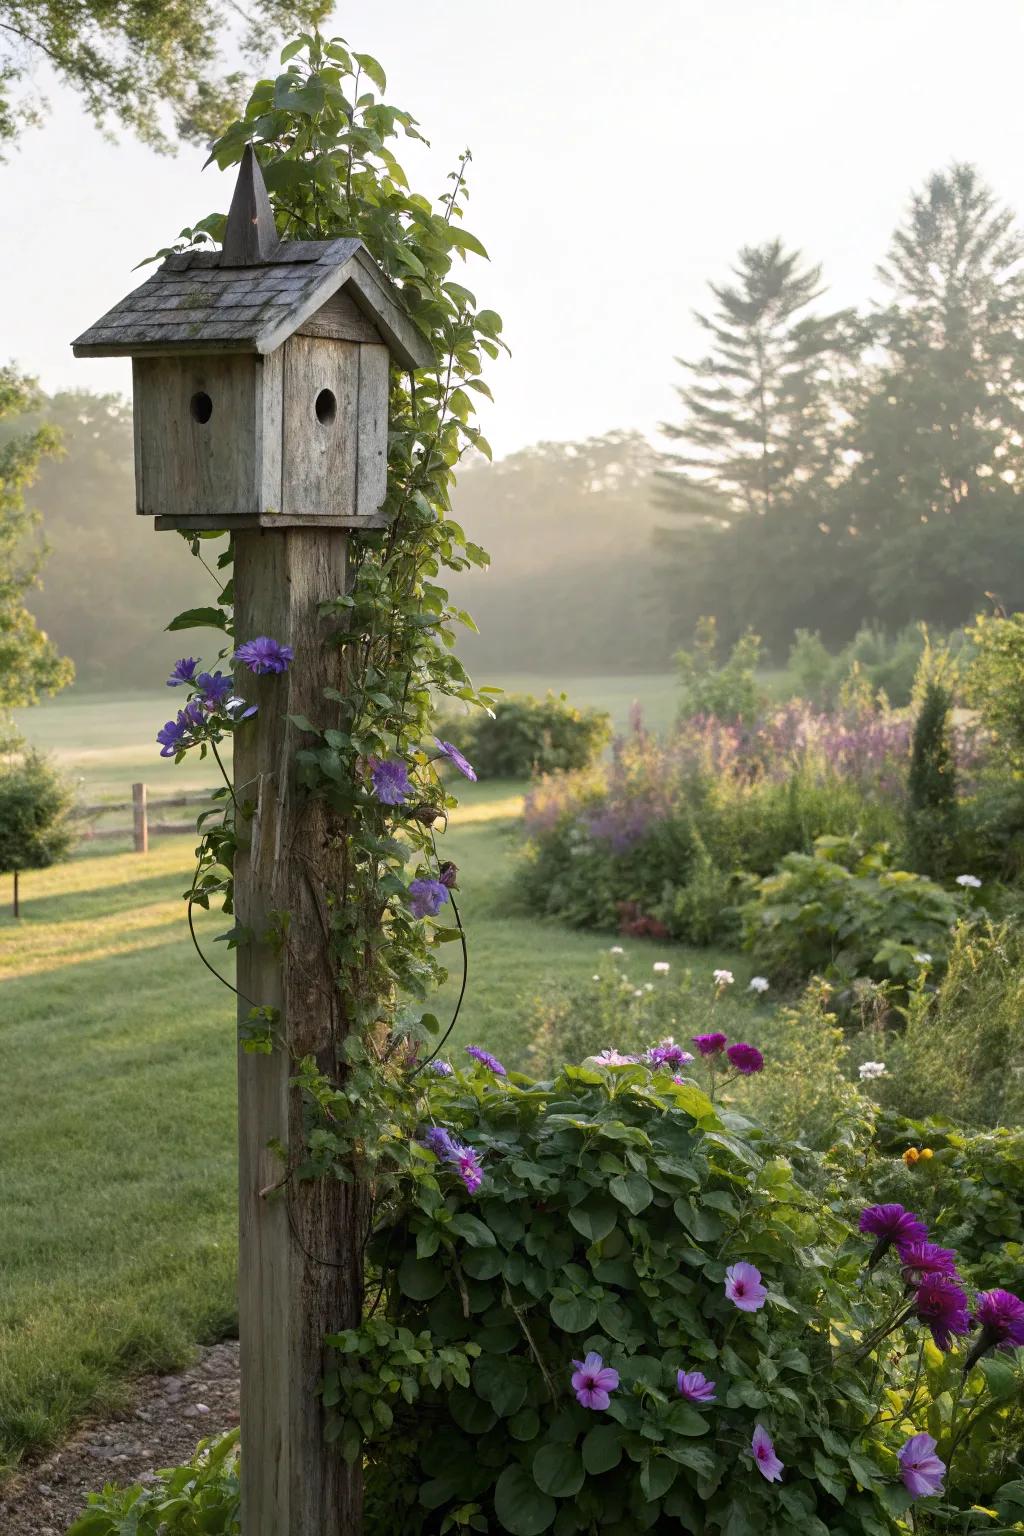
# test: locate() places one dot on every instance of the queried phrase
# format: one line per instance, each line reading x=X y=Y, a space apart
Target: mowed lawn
x=117 y=1141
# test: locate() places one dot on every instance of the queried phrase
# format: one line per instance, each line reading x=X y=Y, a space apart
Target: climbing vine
x=323 y=135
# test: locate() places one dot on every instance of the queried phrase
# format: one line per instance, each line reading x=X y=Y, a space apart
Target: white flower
x=648 y=986
x=724 y=978
x=595 y=978
x=661 y=967
x=615 y=1059
x=969 y=880
x=759 y=984
x=871 y=1069
x=638 y=992
x=616 y=949
x=923 y=957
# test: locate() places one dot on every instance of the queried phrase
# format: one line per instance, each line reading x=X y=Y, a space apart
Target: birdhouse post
x=261 y=381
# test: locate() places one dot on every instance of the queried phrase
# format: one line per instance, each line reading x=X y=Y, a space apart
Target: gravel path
x=168 y=1416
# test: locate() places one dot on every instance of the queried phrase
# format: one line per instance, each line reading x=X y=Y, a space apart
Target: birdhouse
x=261 y=376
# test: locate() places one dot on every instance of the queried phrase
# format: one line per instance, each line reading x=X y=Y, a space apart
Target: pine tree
x=930 y=516
x=931 y=787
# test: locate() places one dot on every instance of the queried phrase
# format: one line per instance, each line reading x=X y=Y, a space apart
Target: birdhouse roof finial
x=251 y=234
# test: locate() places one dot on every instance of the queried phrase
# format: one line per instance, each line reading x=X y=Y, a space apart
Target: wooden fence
x=140 y=806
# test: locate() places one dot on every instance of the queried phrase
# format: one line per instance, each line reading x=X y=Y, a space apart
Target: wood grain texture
x=342 y=319
x=320 y=457
x=300 y=1250
x=214 y=524
x=193 y=467
x=372 y=472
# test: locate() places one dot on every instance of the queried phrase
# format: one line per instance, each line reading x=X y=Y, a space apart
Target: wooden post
x=140 y=818
x=17 y=908
x=300 y=1248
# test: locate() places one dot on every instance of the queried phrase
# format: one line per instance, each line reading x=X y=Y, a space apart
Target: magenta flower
x=889 y=1224
x=942 y=1306
x=710 y=1045
x=1000 y=1315
x=743 y=1287
x=592 y=1381
x=467 y=1162
x=426 y=897
x=486 y=1059
x=695 y=1387
x=455 y=756
x=920 y=1468
x=183 y=671
x=390 y=780
x=919 y=1260
x=765 y=1459
x=264 y=655
x=746 y=1058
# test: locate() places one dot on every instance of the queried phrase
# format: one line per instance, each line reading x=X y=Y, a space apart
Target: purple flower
x=710 y=1045
x=448 y=875
x=765 y=1459
x=920 y=1468
x=942 y=1305
x=743 y=1287
x=486 y=1059
x=440 y=1141
x=468 y=1164
x=592 y=1381
x=215 y=687
x=441 y=1068
x=183 y=671
x=919 y=1260
x=426 y=897
x=264 y=655
x=889 y=1224
x=668 y=1054
x=455 y=756
x=746 y=1058
x=179 y=734
x=1000 y=1315
x=390 y=779
x=615 y=1059
x=695 y=1387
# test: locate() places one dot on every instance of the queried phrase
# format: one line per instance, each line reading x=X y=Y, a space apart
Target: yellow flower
x=927 y=1152
x=911 y=1156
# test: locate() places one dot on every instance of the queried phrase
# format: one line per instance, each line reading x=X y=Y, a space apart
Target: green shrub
x=613 y=1204
x=200 y=1499
x=844 y=913
x=727 y=690
x=995 y=682
x=932 y=819
x=525 y=736
x=961 y=1053
x=35 y=802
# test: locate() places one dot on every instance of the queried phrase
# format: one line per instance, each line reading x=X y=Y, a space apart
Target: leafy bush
x=527 y=735
x=887 y=664
x=961 y=1053
x=200 y=1499
x=728 y=690
x=35 y=802
x=843 y=913
x=665 y=828
x=613 y=1203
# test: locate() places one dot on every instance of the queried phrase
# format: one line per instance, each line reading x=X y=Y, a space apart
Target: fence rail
x=140 y=806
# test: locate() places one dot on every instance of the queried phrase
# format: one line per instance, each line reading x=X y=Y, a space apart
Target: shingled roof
x=252 y=295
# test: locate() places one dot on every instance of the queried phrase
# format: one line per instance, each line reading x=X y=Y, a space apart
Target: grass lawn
x=117 y=1144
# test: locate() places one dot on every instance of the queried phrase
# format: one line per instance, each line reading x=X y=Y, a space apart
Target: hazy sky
x=621 y=154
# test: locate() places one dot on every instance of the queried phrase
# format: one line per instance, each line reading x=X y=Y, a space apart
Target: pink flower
x=765 y=1459
x=921 y=1469
x=745 y=1058
x=743 y=1287
x=592 y=1381
x=710 y=1045
x=695 y=1387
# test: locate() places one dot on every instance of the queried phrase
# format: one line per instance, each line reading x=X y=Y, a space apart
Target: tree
x=930 y=518
x=29 y=662
x=128 y=62
x=931 y=787
x=760 y=437
x=35 y=802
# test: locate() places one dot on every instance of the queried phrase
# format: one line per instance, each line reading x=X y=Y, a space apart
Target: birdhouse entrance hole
x=201 y=407
x=326 y=407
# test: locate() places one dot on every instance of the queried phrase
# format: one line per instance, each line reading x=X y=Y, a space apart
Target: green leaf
x=524 y=1425
x=686 y=1420
x=866 y=1473
x=602 y=1449
x=368 y=64
x=520 y=1505
x=594 y=1219
x=657 y=1474
x=501 y=1382
x=558 y=1470
x=573 y=1314
x=201 y=618
x=631 y=1190
x=476 y=1232
x=420 y=1278
x=465 y=241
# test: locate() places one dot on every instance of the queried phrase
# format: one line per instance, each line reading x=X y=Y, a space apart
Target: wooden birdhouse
x=261 y=376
